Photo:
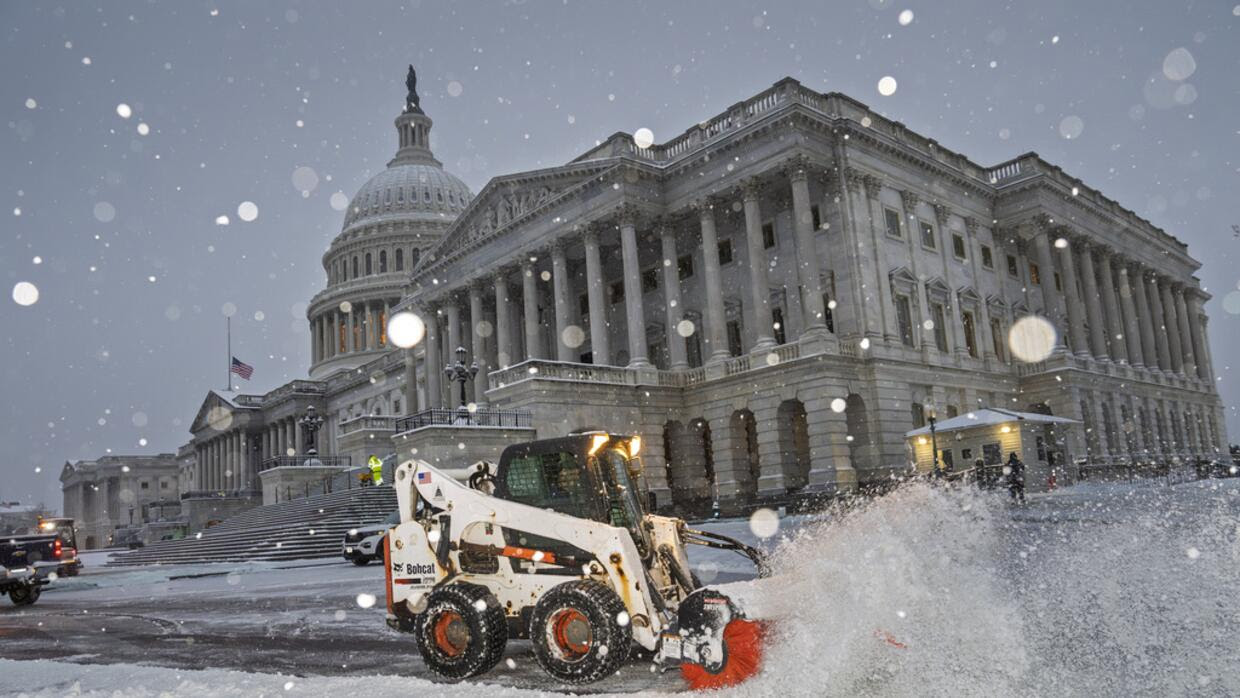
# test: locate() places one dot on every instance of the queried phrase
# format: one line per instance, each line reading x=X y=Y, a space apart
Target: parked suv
x=363 y=544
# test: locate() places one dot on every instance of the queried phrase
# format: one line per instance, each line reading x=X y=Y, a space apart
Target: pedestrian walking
x=1016 y=478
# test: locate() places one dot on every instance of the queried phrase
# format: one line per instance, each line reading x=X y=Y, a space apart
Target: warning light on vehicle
x=600 y=440
x=635 y=446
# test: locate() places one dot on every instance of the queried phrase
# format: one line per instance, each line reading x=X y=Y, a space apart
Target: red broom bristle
x=743 y=639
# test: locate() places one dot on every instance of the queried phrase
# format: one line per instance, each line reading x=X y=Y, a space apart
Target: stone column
x=299 y=443
x=1132 y=328
x=759 y=287
x=529 y=302
x=716 y=334
x=1185 y=334
x=475 y=344
x=503 y=329
x=1093 y=301
x=350 y=338
x=635 y=316
x=411 y=381
x=671 y=298
x=434 y=362
x=1172 y=326
x=878 y=238
x=600 y=347
x=807 y=253
x=1145 y=322
x=1198 y=335
x=560 y=286
x=1116 y=333
x=1076 y=321
x=1157 y=321
x=1052 y=301
x=454 y=330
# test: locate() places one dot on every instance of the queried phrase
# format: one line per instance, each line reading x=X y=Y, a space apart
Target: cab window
x=549 y=481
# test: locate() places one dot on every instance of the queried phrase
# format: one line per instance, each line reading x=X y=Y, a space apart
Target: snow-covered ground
x=1095 y=590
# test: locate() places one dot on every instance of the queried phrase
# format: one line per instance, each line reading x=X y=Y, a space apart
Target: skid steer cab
x=557 y=546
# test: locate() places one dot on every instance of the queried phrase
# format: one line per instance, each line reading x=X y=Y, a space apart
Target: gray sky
x=107 y=358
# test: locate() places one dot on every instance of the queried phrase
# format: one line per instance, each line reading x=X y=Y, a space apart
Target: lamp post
x=461 y=373
x=310 y=424
x=931 y=416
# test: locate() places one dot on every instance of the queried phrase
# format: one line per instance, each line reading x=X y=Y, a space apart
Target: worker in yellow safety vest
x=376 y=469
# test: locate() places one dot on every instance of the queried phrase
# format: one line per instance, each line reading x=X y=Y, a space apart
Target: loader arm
x=468 y=519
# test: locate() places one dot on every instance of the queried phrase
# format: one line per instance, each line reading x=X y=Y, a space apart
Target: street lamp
x=310 y=424
x=931 y=416
x=461 y=373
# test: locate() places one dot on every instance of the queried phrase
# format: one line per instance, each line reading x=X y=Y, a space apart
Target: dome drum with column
x=392 y=220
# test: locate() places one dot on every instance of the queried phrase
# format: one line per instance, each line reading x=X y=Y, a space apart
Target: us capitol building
x=772 y=299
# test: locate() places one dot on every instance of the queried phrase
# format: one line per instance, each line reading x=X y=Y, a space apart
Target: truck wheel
x=24 y=595
x=462 y=632
x=361 y=561
x=577 y=633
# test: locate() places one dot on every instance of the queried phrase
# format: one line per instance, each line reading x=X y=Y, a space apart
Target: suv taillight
x=57 y=548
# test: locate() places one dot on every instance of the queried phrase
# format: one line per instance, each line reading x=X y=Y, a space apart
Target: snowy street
x=1099 y=589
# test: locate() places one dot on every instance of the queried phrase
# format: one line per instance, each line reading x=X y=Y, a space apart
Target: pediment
x=215 y=414
x=511 y=200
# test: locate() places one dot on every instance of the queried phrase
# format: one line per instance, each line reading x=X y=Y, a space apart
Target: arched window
x=355 y=274
x=400 y=259
x=414 y=257
x=369 y=271
x=382 y=261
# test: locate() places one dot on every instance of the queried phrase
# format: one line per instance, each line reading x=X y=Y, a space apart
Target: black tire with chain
x=610 y=641
x=484 y=626
x=24 y=595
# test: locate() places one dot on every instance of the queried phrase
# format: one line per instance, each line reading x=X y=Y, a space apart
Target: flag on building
x=241 y=368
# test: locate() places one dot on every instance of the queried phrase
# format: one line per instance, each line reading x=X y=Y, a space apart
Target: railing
x=480 y=417
x=303 y=459
x=1004 y=171
x=563 y=370
x=220 y=494
x=374 y=422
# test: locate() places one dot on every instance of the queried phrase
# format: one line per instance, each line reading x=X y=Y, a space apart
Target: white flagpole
x=228 y=375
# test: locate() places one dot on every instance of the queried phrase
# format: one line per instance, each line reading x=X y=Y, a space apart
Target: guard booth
x=991 y=433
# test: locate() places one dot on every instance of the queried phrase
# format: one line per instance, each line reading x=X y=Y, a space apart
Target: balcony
x=368 y=423
x=481 y=417
x=304 y=459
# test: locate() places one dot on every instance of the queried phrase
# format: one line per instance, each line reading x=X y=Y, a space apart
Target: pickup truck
x=27 y=560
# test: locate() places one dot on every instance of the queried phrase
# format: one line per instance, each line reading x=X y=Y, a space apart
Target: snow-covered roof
x=989 y=416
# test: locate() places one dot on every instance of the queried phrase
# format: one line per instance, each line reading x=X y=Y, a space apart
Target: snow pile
x=899 y=597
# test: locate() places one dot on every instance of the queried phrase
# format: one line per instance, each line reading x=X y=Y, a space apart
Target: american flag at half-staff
x=241 y=368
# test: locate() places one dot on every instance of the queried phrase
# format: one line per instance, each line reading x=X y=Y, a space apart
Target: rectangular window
x=163 y=484
x=828 y=312
x=940 y=326
x=684 y=266
x=992 y=454
x=958 y=246
x=1034 y=277
x=725 y=252
x=970 y=341
x=927 y=235
x=734 y=338
x=1013 y=268
x=768 y=235
x=905 y=318
x=650 y=280
x=145 y=485
x=550 y=481
x=816 y=216
x=996 y=335
x=893 y=222
x=777 y=325
x=617 y=292
x=988 y=260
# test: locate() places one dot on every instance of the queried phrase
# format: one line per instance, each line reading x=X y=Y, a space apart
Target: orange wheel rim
x=572 y=633
x=450 y=633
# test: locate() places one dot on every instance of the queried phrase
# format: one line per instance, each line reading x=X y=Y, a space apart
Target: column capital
x=970 y=225
x=704 y=206
x=873 y=185
x=663 y=225
x=1042 y=222
x=627 y=214
x=796 y=167
x=910 y=199
x=852 y=176
x=589 y=233
x=751 y=189
x=941 y=213
x=500 y=273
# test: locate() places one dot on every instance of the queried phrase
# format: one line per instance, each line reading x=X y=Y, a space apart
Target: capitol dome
x=407 y=192
x=394 y=218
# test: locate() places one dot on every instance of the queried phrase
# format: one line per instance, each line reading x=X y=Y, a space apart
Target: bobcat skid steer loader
x=557 y=545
